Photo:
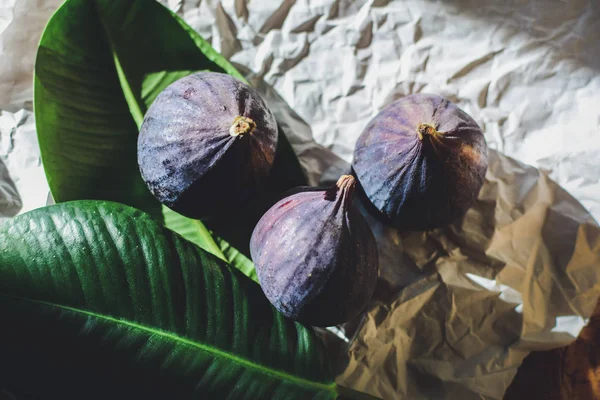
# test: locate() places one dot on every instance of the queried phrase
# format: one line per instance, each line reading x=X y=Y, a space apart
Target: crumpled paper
x=19 y=151
x=10 y=201
x=456 y=309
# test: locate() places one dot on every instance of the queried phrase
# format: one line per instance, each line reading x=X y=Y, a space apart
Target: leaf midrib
x=132 y=102
x=135 y=110
x=280 y=375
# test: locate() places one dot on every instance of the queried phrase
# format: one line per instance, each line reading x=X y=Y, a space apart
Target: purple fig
x=315 y=255
x=206 y=144
x=421 y=162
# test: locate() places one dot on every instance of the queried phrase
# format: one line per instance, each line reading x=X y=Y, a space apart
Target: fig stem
x=346 y=182
x=426 y=129
x=345 y=185
x=241 y=125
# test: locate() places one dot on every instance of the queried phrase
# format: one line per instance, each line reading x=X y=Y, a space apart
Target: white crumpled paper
x=456 y=309
x=10 y=201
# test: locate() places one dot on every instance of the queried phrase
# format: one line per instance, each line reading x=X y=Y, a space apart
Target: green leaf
x=87 y=134
x=99 y=66
x=98 y=299
x=235 y=257
x=195 y=231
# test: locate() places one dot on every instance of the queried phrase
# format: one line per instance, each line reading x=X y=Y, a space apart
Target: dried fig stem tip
x=241 y=126
x=346 y=182
x=426 y=129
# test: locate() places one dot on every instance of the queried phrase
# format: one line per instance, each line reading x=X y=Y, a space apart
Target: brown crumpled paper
x=456 y=309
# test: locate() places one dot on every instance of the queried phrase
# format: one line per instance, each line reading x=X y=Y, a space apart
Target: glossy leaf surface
x=98 y=297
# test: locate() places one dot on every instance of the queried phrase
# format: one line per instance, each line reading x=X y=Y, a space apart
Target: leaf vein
x=331 y=388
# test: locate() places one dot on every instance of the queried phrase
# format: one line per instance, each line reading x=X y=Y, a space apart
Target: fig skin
x=421 y=162
x=315 y=255
x=206 y=145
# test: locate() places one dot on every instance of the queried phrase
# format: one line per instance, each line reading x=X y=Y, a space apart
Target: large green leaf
x=196 y=232
x=100 y=64
x=233 y=256
x=98 y=300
